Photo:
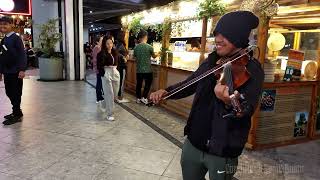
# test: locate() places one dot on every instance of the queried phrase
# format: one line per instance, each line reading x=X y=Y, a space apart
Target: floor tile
x=121 y=173
x=73 y=168
x=139 y=138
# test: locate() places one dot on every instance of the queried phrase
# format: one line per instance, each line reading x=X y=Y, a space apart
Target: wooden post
x=311 y=128
x=166 y=36
x=262 y=39
x=126 y=37
x=203 y=39
x=262 y=44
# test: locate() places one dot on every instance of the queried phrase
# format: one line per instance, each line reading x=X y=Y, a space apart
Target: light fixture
x=6 y=5
x=90 y=12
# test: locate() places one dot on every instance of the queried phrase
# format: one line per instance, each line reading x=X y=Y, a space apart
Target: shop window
x=289 y=43
x=309 y=43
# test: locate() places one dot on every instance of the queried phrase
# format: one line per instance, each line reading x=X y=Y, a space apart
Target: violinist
x=214 y=142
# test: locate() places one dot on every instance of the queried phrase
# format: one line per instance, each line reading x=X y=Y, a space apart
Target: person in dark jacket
x=213 y=142
x=31 y=56
x=13 y=63
x=122 y=65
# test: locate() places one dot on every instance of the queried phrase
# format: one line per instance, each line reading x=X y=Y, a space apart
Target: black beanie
x=236 y=27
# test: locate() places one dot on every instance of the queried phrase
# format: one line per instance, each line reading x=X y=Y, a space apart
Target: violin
x=234 y=75
x=229 y=71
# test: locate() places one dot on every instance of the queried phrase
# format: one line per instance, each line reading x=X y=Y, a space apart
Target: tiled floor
x=295 y=162
x=64 y=136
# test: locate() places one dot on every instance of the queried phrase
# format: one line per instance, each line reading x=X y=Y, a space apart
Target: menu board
x=284 y=114
x=294 y=64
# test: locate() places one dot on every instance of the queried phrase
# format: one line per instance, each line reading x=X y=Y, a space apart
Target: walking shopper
x=99 y=90
x=122 y=65
x=13 y=63
x=143 y=53
x=107 y=67
x=214 y=142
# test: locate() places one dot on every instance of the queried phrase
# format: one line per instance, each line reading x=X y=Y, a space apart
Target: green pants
x=195 y=164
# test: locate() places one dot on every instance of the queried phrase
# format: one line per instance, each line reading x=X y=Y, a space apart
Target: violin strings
x=204 y=75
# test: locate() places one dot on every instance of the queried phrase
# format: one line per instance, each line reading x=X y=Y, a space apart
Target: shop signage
x=15 y=7
x=293 y=70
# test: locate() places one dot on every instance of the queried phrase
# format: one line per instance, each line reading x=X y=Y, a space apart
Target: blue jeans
x=99 y=90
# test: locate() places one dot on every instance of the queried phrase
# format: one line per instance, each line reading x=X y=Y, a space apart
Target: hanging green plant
x=159 y=29
x=210 y=8
x=135 y=26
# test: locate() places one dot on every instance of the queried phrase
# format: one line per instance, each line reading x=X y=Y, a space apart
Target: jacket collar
x=10 y=33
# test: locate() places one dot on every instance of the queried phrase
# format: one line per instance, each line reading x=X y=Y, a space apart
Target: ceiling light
x=7 y=5
x=90 y=12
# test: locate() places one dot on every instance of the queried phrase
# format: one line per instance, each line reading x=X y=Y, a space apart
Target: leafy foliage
x=135 y=26
x=209 y=8
x=48 y=38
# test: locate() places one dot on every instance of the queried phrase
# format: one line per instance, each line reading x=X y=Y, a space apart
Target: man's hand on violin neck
x=222 y=93
x=156 y=97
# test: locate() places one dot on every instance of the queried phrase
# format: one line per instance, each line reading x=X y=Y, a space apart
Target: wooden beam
x=262 y=39
x=203 y=39
x=314 y=1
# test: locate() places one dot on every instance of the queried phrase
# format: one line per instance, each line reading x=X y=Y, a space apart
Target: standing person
x=143 y=53
x=214 y=143
x=13 y=63
x=107 y=67
x=99 y=90
x=31 y=56
x=122 y=65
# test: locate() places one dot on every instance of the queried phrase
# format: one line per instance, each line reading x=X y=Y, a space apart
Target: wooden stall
x=289 y=107
x=289 y=110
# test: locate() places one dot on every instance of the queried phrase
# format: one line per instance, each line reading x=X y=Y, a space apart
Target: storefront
x=20 y=11
x=289 y=104
x=289 y=43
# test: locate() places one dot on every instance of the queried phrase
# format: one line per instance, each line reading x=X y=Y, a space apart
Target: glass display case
x=306 y=41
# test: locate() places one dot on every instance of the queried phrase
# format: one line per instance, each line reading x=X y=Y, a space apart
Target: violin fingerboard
x=227 y=72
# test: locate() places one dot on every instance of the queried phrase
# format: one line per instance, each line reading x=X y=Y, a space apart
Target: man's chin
x=221 y=53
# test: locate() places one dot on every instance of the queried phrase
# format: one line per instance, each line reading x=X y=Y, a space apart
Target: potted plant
x=50 y=61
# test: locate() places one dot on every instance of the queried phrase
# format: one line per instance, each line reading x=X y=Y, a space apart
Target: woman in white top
x=107 y=66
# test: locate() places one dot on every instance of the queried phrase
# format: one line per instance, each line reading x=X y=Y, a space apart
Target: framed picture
x=268 y=99
x=300 y=125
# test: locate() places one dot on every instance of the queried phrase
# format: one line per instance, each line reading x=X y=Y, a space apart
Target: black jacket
x=106 y=59
x=122 y=56
x=12 y=57
x=206 y=129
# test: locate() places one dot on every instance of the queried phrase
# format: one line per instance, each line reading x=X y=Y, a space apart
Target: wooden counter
x=274 y=123
x=163 y=76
